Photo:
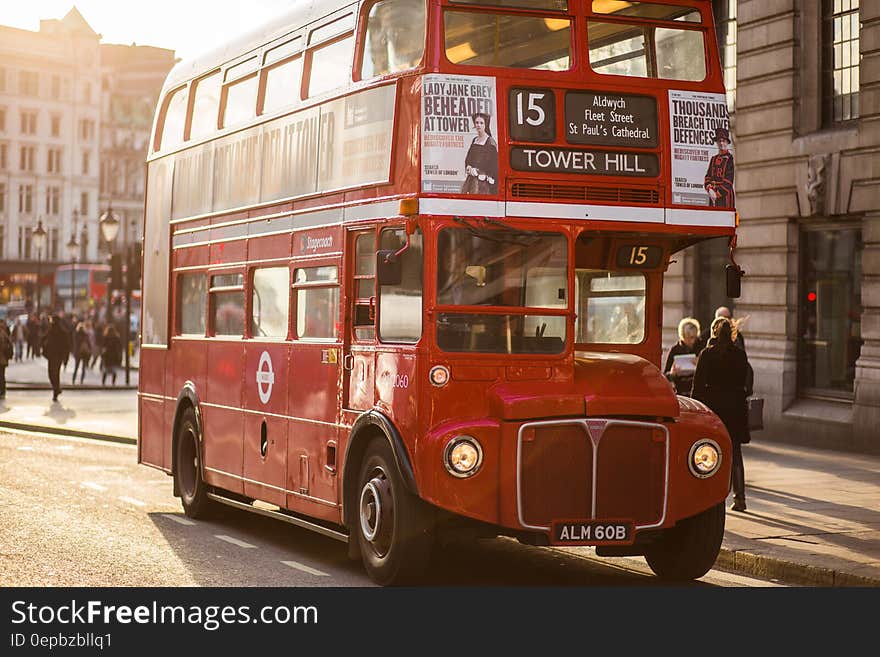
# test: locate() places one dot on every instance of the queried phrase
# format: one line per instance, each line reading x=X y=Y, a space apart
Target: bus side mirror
x=734 y=281
x=389 y=268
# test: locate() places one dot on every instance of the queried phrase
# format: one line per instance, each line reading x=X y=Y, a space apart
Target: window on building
x=270 y=302
x=840 y=61
x=25 y=199
x=53 y=160
x=56 y=87
x=830 y=310
x=206 y=106
x=4 y=156
x=28 y=154
x=87 y=92
x=29 y=83
x=84 y=204
x=87 y=129
x=29 y=123
x=395 y=37
x=2 y=79
x=192 y=293
x=227 y=304
x=53 y=243
x=2 y=198
x=2 y=119
x=56 y=125
x=86 y=158
x=317 y=303
x=53 y=200
x=400 y=306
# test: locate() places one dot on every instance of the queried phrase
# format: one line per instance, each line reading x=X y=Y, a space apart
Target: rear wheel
x=393 y=527
x=188 y=470
x=689 y=550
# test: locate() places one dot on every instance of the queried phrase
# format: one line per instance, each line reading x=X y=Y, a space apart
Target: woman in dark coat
x=722 y=381
x=56 y=349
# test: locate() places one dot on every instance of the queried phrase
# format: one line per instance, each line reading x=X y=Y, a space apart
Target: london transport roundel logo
x=265 y=377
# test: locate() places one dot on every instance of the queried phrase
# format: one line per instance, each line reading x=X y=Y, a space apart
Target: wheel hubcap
x=377 y=512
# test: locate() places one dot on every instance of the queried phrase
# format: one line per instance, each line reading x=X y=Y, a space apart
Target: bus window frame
x=519 y=73
x=314 y=263
x=309 y=56
x=191 y=103
x=360 y=45
x=163 y=115
x=177 y=331
x=210 y=326
x=231 y=77
x=250 y=289
x=263 y=85
x=649 y=27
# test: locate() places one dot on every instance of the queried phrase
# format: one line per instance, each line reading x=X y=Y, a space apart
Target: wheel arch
x=187 y=398
x=368 y=426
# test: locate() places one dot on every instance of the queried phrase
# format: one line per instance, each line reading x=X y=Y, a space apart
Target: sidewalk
x=813 y=516
x=32 y=374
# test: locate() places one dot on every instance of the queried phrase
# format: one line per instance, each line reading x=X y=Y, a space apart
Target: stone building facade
x=807 y=143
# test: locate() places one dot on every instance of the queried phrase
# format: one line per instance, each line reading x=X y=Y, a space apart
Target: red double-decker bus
x=79 y=287
x=403 y=272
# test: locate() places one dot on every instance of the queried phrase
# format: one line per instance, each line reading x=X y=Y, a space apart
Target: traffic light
x=116 y=272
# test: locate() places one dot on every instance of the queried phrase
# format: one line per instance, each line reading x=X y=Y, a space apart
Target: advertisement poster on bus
x=702 y=149
x=459 y=135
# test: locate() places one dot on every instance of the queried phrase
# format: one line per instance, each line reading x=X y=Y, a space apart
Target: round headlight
x=463 y=456
x=705 y=458
x=439 y=376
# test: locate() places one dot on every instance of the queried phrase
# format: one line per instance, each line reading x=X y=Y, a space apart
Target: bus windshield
x=508 y=268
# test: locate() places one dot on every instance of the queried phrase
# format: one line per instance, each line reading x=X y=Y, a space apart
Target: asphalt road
x=79 y=512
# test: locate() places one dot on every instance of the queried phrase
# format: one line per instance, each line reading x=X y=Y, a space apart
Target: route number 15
x=532 y=115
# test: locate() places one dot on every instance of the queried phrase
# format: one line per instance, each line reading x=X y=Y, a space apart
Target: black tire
x=394 y=528
x=188 y=468
x=688 y=550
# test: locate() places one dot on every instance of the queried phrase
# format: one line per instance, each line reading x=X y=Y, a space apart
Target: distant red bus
x=87 y=282
x=403 y=275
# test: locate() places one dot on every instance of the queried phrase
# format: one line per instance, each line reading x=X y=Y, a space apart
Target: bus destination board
x=570 y=160
x=606 y=119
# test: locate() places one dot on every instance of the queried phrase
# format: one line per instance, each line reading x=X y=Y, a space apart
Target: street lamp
x=109 y=229
x=73 y=251
x=39 y=237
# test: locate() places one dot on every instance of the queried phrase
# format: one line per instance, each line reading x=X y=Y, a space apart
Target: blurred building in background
x=74 y=122
x=803 y=82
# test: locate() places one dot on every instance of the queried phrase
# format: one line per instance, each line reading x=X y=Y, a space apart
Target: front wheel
x=689 y=550
x=188 y=470
x=393 y=527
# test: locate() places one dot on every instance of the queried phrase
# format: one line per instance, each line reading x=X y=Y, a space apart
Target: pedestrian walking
x=56 y=349
x=81 y=352
x=682 y=359
x=724 y=311
x=33 y=336
x=18 y=339
x=723 y=381
x=6 y=353
x=112 y=356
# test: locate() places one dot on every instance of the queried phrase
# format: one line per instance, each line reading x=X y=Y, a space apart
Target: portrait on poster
x=703 y=162
x=459 y=128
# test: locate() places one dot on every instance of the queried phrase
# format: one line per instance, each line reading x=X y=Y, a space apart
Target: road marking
x=305 y=569
x=234 y=541
x=132 y=500
x=178 y=519
x=101 y=468
x=93 y=486
x=25 y=448
x=64 y=448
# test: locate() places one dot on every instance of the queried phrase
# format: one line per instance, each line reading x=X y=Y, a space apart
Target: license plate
x=592 y=532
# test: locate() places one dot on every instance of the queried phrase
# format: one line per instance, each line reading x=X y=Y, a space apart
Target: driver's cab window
x=610 y=307
x=364 y=315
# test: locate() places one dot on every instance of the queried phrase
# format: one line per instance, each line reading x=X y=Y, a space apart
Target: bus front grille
x=584 y=193
x=556 y=473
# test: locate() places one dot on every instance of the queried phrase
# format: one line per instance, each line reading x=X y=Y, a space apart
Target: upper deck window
x=395 y=37
x=641 y=50
x=205 y=106
x=330 y=66
x=539 y=5
x=648 y=10
x=509 y=41
x=173 y=118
